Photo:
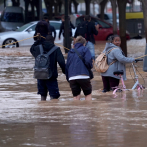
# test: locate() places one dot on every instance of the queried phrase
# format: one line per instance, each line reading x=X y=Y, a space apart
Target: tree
x=87 y=3
x=144 y=6
x=114 y=5
x=103 y=4
x=122 y=24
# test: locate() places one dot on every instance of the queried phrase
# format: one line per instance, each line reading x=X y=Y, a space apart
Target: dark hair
x=45 y=16
x=50 y=38
x=87 y=17
x=111 y=38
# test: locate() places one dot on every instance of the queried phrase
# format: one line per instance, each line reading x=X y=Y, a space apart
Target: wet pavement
x=106 y=121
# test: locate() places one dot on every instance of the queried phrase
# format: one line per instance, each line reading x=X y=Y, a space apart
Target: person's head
x=46 y=17
x=81 y=40
x=50 y=38
x=87 y=18
x=115 y=39
x=62 y=18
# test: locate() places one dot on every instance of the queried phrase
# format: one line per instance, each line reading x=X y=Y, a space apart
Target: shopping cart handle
x=136 y=60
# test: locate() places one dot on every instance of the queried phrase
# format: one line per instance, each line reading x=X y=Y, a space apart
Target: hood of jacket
x=110 y=46
x=47 y=45
x=77 y=45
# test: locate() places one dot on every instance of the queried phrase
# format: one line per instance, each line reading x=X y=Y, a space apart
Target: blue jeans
x=91 y=48
x=50 y=85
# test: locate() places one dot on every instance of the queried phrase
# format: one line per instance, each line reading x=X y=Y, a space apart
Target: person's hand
x=136 y=60
x=38 y=36
x=97 y=26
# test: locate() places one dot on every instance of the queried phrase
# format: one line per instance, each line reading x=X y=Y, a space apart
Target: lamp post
x=66 y=23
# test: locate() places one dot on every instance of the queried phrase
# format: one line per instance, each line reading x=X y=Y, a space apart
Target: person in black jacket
x=88 y=29
x=50 y=85
x=62 y=29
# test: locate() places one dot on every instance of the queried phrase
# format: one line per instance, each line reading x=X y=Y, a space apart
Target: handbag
x=89 y=70
x=101 y=64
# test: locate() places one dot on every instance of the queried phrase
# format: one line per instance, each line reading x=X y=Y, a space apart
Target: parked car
x=26 y=31
x=105 y=29
x=108 y=17
x=11 y=18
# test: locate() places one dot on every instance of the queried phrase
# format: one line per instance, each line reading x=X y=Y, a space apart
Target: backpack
x=42 y=64
x=82 y=30
x=101 y=64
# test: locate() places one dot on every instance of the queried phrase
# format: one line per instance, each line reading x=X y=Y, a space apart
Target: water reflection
x=105 y=121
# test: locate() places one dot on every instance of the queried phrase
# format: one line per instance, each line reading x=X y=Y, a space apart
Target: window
x=12 y=17
x=103 y=24
x=56 y=25
x=33 y=27
x=24 y=27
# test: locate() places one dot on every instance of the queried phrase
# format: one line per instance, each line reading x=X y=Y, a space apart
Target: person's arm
x=47 y=28
x=94 y=30
x=97 y=27
x=87 y=58
x=54 y=33
x=61 y=28
x=121 y=58
x=60 y=60
x=33 y=50
x=66 y=68
x=72 y=26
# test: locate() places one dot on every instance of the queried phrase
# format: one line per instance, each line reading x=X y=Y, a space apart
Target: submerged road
x=106 y=121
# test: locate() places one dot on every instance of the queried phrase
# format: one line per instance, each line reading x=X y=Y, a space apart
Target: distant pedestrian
x=62 y=31
x=88 y=29
x=109 y=79
x=51 y=28
x=49 y=85
x=52 y=31
x=79 y=61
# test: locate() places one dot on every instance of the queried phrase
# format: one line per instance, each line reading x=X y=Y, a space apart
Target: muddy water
x=107 y=120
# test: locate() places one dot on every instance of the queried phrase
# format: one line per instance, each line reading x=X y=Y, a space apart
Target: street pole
x=4 y=3
x=40 y=9
x=66 y=26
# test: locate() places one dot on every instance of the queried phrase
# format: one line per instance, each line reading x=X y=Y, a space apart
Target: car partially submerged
x=26 y=33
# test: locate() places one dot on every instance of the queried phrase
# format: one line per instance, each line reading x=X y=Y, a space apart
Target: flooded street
x=106 y=121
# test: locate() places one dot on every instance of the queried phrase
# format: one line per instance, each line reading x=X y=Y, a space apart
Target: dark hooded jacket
x=55 y=57
x=75 y=66
x=89 y=29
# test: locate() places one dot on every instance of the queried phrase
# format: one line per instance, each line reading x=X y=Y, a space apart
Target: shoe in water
x=43 y=98
x=52 y=98
x=105 y=90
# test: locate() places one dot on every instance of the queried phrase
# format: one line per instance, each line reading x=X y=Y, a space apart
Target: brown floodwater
x=106 y=121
